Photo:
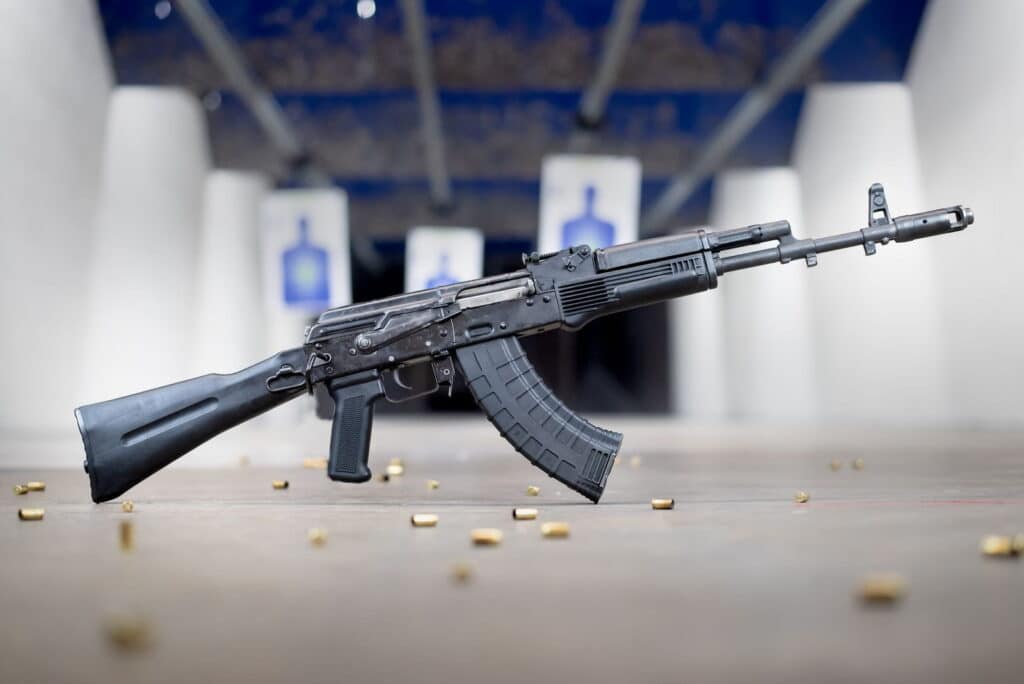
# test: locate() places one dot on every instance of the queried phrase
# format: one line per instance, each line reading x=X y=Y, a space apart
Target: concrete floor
x=737 y=583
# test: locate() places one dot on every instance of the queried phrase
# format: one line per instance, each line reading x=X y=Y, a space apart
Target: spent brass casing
x=663 y=504
x=20 y=489
x=279 y=484
x=524 y=513
x=486 y=536
x=999 y=546
x=555 y=530
x=532 y=490
x=395 y=470
x=801 y=497
x=835 y=464
x=424 y=520
x=882 y=588
x=128 y=633
x=433 y=484
x=317 y=536
x=127 y=535
x=127 y=506
x=858 y=464
x=315 y=463
x=462 y=572
x=31 y=513
x=36 y=486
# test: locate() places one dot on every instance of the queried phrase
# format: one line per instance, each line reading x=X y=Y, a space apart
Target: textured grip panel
x=350 y=433
x=533 y=420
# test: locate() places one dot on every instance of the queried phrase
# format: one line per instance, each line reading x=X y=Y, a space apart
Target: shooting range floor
x=737 y=583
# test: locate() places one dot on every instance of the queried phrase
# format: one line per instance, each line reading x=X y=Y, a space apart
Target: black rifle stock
x=360 y=352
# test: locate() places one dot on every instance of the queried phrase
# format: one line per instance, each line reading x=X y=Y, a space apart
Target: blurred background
x=184 y=184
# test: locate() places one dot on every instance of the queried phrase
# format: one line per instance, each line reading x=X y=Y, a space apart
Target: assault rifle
x=363 y=352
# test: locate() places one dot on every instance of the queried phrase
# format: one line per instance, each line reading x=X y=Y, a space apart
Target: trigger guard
x=396 y=390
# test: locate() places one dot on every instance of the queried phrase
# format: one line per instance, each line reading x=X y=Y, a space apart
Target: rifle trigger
x=406 y=382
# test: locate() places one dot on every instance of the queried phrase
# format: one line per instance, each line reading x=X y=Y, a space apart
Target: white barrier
x=768 y=330
x=230 y=315
x=879 y=350
x=141 y=313
x=967 y=81
x=55 y=78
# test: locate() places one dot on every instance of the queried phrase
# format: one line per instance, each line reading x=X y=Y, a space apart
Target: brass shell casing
x=424 y=520
x=486 y=536
x=555 y=530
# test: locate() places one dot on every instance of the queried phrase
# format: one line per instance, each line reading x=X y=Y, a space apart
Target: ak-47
x=361 y=352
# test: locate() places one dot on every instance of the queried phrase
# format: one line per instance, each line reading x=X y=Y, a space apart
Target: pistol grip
x=353 y=421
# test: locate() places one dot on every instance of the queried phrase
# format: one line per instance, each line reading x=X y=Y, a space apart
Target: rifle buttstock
x=128 y=439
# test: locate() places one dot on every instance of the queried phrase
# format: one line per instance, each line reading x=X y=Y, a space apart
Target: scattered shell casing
x=315 y=463
x=279 y=484
x=532 y=490
x=555 y=530
x=858 y=464
x=20 y=490
x=127 y=506
x=801 y=497
x=462 y=573
x=524 y=513
x=36 y=486
x=663 y=504
x=486 y=536
x=835 y=464
x=128 y=633
x=395 y=470
x=127 y=535
x=31 y=513
x=998 y=545
x=635 y=462
x=433 y=484
x=882 y=588
x=424 y=520
x=317 y=536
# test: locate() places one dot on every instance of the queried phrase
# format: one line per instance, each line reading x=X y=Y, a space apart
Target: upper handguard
x=527 y=414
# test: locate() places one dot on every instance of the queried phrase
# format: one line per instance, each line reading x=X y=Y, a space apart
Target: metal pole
x=616 y=43
x=430 y=105
x=225 y=53
x=823 y=28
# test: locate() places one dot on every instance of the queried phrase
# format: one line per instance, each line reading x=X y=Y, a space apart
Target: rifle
x=362 y=352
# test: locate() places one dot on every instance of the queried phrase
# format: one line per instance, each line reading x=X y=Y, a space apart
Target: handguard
x=527 y=414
